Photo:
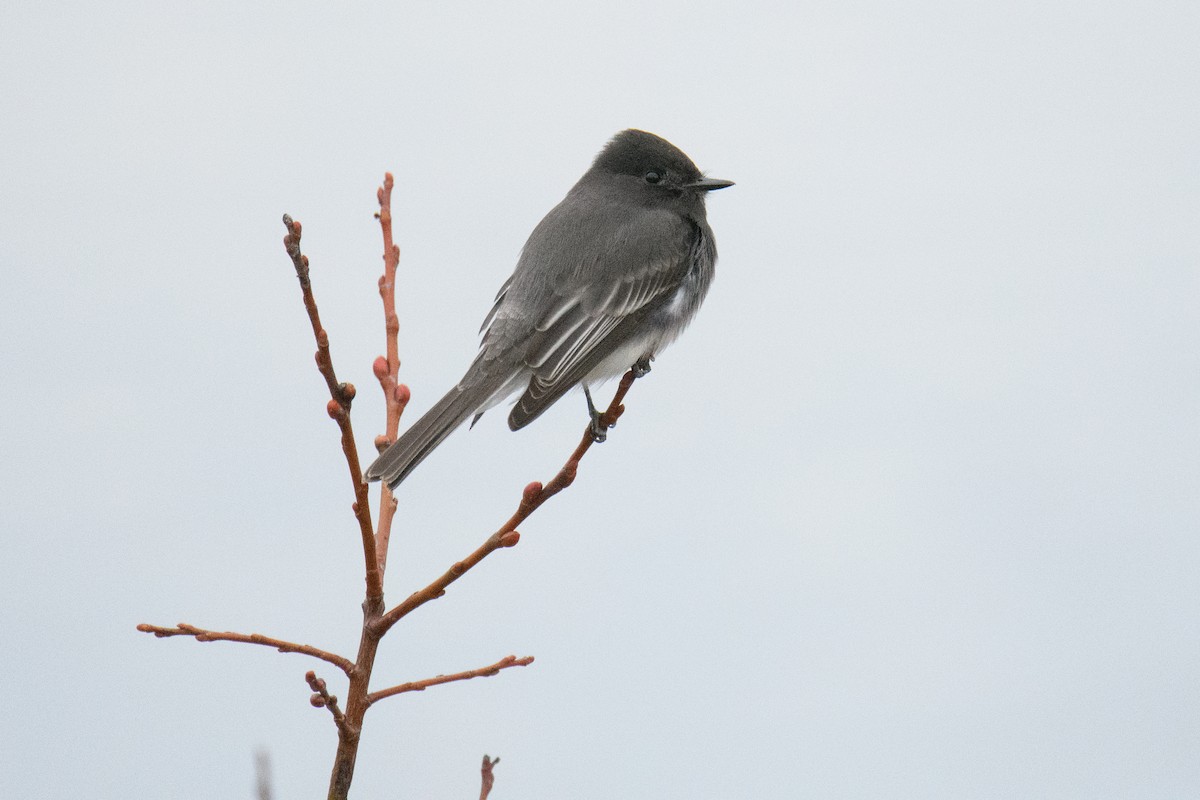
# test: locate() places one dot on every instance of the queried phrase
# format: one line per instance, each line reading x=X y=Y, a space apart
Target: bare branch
x=387 y=368
x=488 y=777
x=341 y=395
x=323 y=699
x=262 y=774
x=566 y=475
x=375 y=539
x=507 y=536
x=438 y=587
x=202 y=635
x=420 y=686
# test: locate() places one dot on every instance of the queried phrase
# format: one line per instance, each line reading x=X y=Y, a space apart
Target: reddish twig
x=566 y=475
x=339 y=408
x=420 y=686
x=387 y=368
x=321 y=698
x=202 y=635
x=341 y=395
x=488 y=777
x=507 y=536
x=375 y=544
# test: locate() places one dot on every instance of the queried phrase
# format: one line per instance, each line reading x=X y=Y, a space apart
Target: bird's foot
x=598 y=429
x=641 y=367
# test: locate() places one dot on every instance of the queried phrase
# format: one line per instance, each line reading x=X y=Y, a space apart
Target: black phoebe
x=611 y=276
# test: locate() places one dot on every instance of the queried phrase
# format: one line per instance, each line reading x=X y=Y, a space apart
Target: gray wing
x=599 y=302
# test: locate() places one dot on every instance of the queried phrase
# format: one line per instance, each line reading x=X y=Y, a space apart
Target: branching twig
x=387 y=368
x=507 y=536
x=420 y=686
x=488 y=777
x=202 y=635
x=375 y=540
x=341 y=395
x=323 y=699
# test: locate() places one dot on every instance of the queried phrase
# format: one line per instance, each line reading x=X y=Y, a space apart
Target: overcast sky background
x=911 y=511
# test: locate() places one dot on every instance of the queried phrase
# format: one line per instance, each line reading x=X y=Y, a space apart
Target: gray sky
x=911 y=511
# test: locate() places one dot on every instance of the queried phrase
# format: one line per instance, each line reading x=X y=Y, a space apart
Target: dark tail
x=395 y=463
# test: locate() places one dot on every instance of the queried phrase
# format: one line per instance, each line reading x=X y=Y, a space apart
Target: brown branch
x=420 y=686
x=566 y=475
x=321 y=698
x=202 y=635
x=341 y=395
x=375 y=544
x=507 y=536
x=488 y=777
x=387 y=368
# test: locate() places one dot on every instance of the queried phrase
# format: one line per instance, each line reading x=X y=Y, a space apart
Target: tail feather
x=395 y=463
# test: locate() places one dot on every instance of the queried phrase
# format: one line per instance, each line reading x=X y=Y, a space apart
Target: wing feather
x=577 y=325
x=579 y=278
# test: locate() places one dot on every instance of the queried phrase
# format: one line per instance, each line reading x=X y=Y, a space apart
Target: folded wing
x=600 y=306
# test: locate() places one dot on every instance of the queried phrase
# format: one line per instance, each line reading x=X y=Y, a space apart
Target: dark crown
x=634 y=152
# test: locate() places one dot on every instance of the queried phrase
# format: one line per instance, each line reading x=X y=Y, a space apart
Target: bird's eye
x=653 y=176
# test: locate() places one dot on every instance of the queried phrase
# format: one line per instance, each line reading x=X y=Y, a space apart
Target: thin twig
x=341 y=395
x=321 y=698
x=387 y=368
x=420 y=686
x=507 y=536
x=488 y=777
x=202 y=635
x=262 y=774
x=566 y=475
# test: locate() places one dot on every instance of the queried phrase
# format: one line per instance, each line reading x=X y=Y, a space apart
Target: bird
x=611 y=275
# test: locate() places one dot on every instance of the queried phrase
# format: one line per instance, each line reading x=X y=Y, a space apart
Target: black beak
x=709 y=184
